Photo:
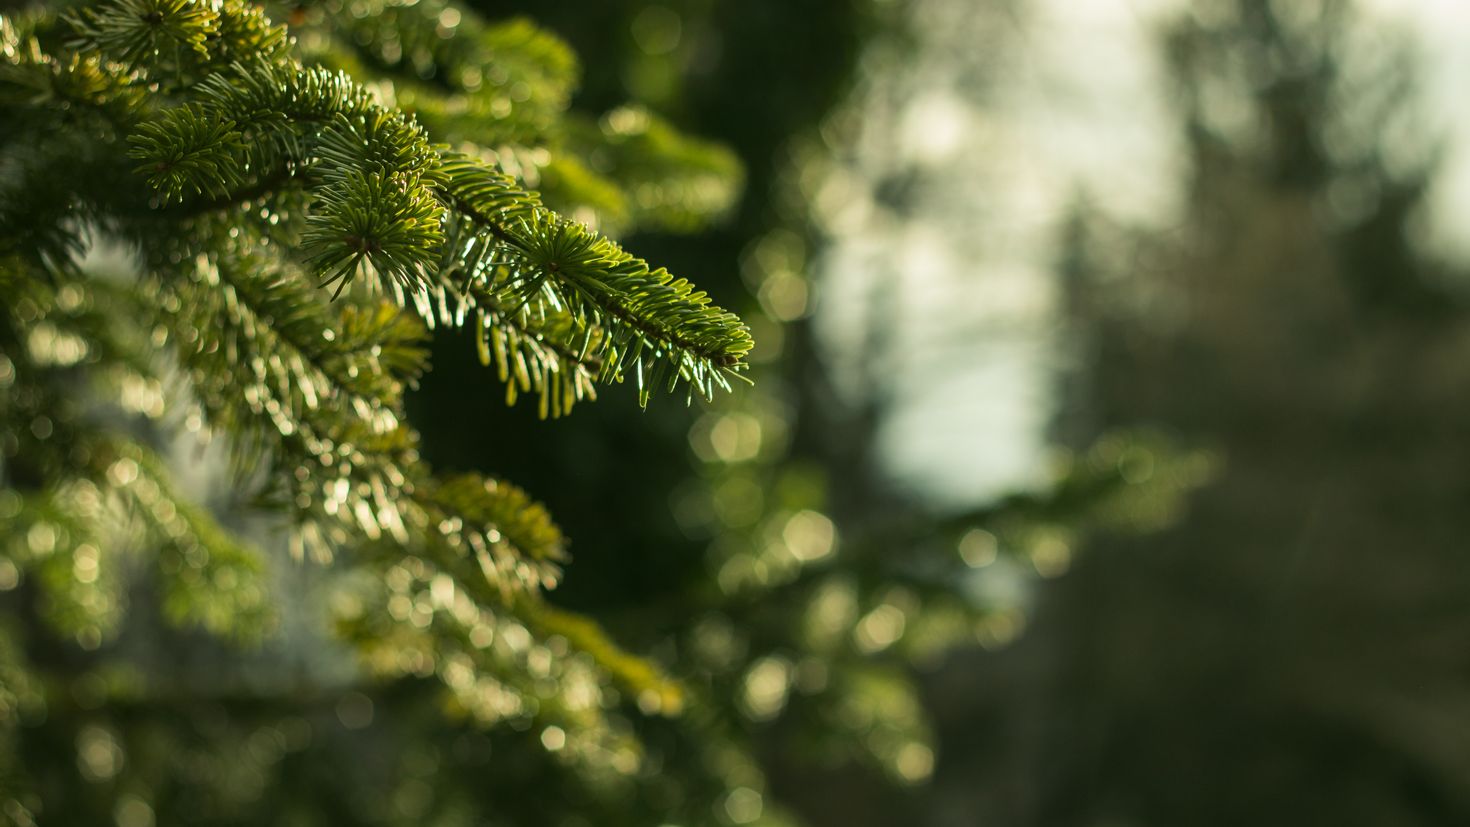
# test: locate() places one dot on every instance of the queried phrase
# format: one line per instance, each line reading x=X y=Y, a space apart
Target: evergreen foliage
x=299 y=210
x=290 y=236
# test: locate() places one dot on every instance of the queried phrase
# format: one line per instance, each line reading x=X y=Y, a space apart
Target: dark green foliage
x=257 y=242
x=133 y=31
x=204 y=233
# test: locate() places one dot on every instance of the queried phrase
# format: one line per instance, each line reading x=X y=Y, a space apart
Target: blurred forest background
x=1106 y=462
x=1032 y=225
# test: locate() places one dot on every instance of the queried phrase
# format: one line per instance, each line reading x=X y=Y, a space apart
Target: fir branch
x=213 y=104
x=537 y=353
x=376 y=221
x=377 y=209
x=641 y=310
x=653 y=690
x=189 y=151
x=267 y=185
x=245 y=33
x=334 y=413
x=493 y=665
x=281 y=93
x=45 y=534
x=138 y=31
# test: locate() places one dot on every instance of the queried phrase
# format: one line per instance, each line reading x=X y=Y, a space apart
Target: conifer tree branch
x=543 y=331
x=325 y=406
x=213 y=106
x=381 y=193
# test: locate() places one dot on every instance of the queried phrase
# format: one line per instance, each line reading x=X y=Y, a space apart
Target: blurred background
x=998 y=246
x=1107 y=462
x=985 y=236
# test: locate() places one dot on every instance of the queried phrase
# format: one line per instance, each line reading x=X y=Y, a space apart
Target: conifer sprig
x=136 y=31
x=387 y=203
x=295 y=236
